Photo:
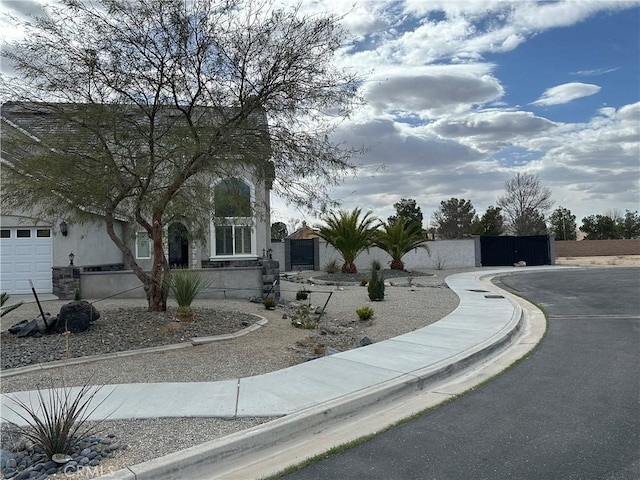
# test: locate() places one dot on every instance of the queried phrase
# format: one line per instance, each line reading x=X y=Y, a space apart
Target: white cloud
x=433 y=90
x=566 y=93
x=491 y=130
x=595 y=72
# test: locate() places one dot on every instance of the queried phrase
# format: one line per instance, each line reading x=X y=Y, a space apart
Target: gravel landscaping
x=120 y=329
x=410 y=303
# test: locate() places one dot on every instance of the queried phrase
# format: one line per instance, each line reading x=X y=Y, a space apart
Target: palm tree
x=349 y=234
x=399 y=238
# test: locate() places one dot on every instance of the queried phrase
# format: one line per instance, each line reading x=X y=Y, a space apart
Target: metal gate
x=505 y=251
x=302 y=254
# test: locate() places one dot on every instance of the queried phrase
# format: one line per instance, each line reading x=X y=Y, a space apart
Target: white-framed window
x=143 y=245
x=232 y=232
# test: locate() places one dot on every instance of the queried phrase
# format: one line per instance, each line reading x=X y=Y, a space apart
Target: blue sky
x=463 y=94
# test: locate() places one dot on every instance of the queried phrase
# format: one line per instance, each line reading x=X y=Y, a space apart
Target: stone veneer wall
x=66 y=282
x=270 y=275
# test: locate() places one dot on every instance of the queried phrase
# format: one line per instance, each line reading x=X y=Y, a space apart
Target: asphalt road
x=569 y=411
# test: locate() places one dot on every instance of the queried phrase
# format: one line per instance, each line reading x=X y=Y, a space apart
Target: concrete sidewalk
x=485 y=321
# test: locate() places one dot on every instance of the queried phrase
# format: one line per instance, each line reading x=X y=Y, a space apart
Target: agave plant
x=186 y=285
x=399 y=238
x=349 y=234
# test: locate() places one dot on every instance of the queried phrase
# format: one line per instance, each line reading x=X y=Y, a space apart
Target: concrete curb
x=221 y=456
x=262 y=321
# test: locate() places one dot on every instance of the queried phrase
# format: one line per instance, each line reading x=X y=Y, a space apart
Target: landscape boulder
x=28 y=328
x=76 y=317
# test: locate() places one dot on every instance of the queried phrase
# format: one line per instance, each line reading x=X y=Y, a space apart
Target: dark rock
x=112 y=447
x=94 y=463
x=17 y=327
x=76 y=317
x=363 y=342
x=91 y=455
x=331 y=351
x=9 y=473
x=49 y=465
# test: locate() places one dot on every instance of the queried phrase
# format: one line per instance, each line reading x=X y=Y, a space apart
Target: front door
x=178 y=246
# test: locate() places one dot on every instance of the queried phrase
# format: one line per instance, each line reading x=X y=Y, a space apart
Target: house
x=60 y=256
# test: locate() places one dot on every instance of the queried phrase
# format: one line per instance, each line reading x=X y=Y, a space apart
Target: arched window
x=233 y=232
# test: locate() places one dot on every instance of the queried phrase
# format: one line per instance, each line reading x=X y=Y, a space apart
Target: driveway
x=569 y=411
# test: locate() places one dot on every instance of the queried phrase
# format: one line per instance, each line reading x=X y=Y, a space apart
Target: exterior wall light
x=64 y=229
x=71 y=257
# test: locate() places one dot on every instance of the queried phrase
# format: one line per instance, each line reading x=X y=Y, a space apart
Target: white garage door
x=25 y=254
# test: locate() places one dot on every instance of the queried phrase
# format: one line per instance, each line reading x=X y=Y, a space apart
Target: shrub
x=269 y=302
x=376 y=287
x=57 y=421
x=302 y=294
x=365 y=313
x=186 y=285
x=332 y=266
x=364 y=281
x=303 y=318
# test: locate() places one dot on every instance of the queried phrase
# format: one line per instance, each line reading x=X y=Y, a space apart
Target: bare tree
x=158 y=98
x=525 y=204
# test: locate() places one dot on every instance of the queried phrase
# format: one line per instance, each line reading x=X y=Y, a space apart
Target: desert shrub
x=269 y=302
x=364 y=281
x=376 y=265
x=302 y=294
x=376 y=286
x=57 y=420
x=304 y=319
x=365 y=313
x=332 y=266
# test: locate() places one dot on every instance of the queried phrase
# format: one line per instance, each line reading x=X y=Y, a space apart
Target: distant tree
x=407 y=209
x=525 y=204
x=279 y=231
x=600 y=227
x=399 y=238
x=491 y=223
x=532 y=222
x=563 y=224
x=349 y=234
x=611 y=226
x=631 y=225
x=454 y=218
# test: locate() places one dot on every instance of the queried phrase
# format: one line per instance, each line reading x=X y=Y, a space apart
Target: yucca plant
x=399 y=238
x=185 y=286
x=58 y=420
x=349 y=234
